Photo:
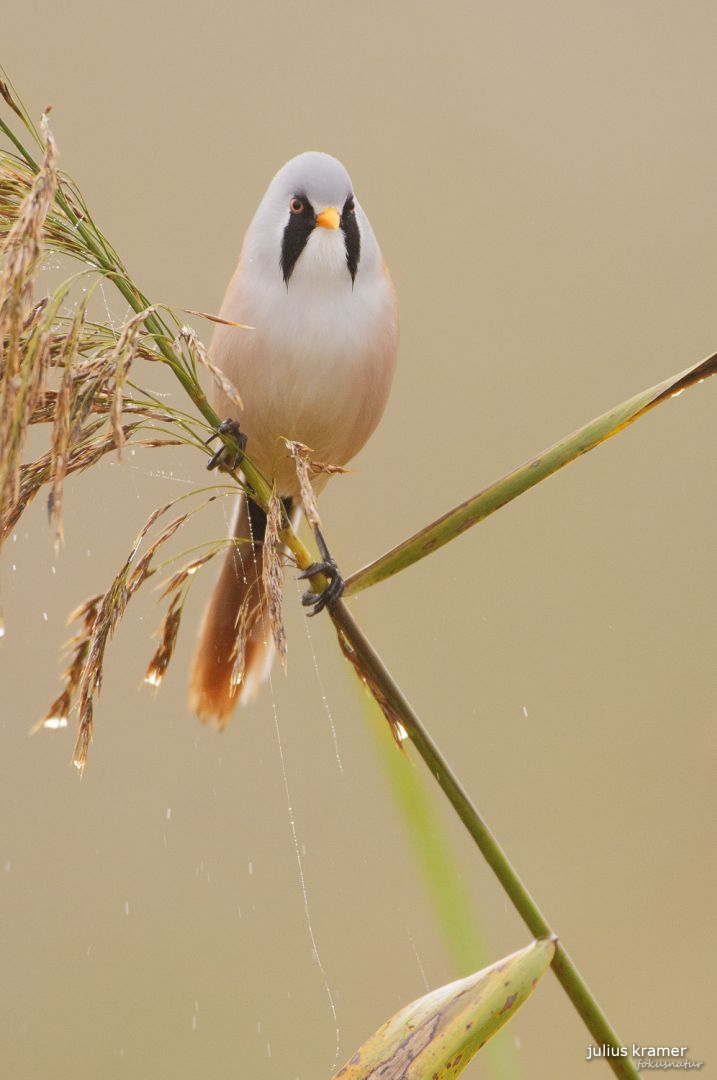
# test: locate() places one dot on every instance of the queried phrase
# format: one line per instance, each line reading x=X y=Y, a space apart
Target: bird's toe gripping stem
x=225 y=458
x=328 y=596
x=327 y=566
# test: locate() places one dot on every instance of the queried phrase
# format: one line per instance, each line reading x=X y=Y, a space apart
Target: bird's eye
x=349 y=208
x=296 y=206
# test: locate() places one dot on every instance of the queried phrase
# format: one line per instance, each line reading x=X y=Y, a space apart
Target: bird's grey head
x=309 y=220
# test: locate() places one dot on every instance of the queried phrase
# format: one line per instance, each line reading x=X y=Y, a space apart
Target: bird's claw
x=328 y=596
x=226 y=459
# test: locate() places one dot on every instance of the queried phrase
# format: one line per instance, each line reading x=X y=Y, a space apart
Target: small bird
x=316 y=368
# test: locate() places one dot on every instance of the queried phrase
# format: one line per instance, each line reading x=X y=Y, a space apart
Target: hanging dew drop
x=54 y=723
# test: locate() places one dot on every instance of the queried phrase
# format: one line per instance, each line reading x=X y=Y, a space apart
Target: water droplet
x=525 y=710
x=126 y=907
x=153 y=678
x=251 y=868
x=169 y=813
x=44 y=615
x=54 y=723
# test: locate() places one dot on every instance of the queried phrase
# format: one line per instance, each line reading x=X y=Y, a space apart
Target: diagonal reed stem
x=564 y=967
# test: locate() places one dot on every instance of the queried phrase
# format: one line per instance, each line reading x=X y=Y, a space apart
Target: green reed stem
x=567 y=973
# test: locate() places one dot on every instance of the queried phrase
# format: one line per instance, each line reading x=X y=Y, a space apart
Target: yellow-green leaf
x=469 y=513
x=436 y=1036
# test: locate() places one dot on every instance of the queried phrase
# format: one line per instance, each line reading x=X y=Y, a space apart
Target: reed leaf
x=469 y=513
x=437 y=1035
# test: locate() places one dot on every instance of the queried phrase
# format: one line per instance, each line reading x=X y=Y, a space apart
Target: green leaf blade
x=435 y=1037
x=467 y=514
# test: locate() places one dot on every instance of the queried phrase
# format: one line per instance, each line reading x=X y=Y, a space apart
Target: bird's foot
x=333 y=591
x=225 y=458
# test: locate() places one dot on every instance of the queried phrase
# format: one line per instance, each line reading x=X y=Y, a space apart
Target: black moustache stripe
x=299 y=228
x=352 y=236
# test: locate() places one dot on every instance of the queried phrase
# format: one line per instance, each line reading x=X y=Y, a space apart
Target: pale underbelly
x=332 y=409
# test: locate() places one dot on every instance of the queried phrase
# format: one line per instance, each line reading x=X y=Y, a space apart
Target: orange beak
x=329 y=218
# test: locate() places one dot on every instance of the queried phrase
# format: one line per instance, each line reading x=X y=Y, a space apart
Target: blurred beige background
x=542 y=180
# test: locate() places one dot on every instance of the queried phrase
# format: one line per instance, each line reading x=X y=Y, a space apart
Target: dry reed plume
x=61 y=369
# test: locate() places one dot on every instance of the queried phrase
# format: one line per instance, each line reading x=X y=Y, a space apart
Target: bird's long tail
x=235 y=647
